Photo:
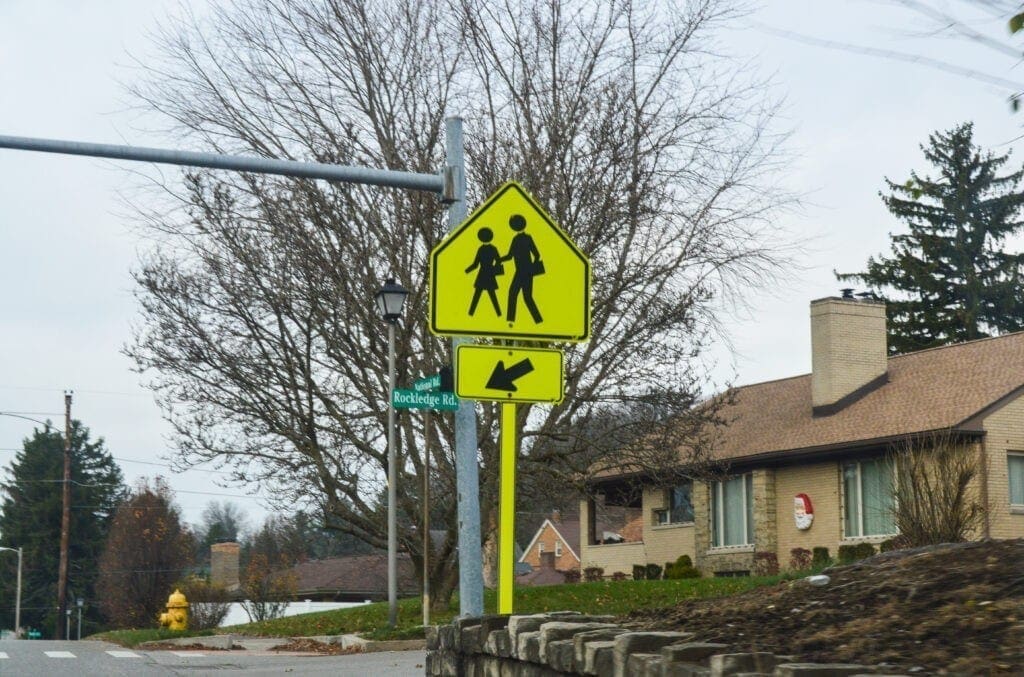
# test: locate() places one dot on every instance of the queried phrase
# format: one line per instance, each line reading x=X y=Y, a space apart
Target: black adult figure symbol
x=489 y=270
x=528 y=265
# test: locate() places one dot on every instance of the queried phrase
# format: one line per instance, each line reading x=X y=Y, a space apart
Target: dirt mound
x=955 y=608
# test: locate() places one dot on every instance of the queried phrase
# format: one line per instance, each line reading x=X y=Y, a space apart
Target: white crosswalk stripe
x=59 y=654
x=3 y=654
x=124 y=654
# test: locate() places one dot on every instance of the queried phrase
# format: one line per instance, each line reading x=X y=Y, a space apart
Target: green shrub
x=681 y=568
x=653 y=572
x=799 y=559
x=820 y=557
x=572 y=576
x=853 y=553
x=865 y=550
x=619 y=576
x=766 y=564
x=847 y=554
x=639 y=572
x=593 y=574
x=889 y=544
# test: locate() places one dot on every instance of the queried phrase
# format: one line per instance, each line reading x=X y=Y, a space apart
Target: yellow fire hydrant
x=176 y=617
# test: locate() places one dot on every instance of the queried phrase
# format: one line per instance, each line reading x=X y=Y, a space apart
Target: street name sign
x=432 y=382
x=510 y=272
x=505 y=374
x=423 y=399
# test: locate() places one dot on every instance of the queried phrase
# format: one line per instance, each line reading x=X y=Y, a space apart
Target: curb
x=346 y=641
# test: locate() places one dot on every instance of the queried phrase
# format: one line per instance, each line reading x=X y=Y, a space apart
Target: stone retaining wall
x=568 y=643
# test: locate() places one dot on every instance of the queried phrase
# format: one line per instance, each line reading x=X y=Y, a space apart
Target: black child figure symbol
x=524 y=253
x=489 y=270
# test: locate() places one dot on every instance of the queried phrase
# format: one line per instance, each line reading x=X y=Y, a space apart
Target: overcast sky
x=67 y=247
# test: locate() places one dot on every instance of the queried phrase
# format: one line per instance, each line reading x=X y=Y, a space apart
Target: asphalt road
x=43 y=657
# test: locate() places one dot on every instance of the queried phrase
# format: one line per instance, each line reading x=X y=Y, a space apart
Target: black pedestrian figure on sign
x=490 y=268
x=528 y=265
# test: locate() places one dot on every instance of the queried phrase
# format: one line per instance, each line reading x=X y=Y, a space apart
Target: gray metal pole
x=67 y=633
x=392 y=487
x=79 y=624
x=427 y=421
x=471 y=577
x=433 y=183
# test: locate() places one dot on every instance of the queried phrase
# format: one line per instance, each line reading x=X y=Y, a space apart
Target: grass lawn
x=607 y=597
x=131 y=638
x=370 y=620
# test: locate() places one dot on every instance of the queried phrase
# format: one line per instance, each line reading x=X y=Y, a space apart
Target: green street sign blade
x=432 y=382
x=422 y=399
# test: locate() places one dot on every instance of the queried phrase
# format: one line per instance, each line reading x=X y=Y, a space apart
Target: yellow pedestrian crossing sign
x=509 y=271
x=509 y=374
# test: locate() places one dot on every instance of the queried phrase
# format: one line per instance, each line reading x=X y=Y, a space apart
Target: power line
x=133 y=460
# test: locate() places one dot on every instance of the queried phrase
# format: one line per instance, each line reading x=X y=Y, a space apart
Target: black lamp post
x=390 y=300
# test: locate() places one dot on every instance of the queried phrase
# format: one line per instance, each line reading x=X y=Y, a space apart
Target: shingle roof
x=356 y=574
x=570 y=530
x=927 y=390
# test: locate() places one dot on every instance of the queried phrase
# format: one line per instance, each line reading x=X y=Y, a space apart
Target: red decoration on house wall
x=803 y=511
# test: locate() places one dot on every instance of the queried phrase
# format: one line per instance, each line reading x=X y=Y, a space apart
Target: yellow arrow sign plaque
x=510 y=272
x=509 y=374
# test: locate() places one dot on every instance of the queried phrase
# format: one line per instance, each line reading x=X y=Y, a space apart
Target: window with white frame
x=1015 y=464
x=540 y=547
x=558 y=548
x=732 y=511
x=868 y=498
x=679 y=505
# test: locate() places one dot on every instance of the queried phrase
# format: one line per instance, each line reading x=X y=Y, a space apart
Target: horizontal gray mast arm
x=433 y=183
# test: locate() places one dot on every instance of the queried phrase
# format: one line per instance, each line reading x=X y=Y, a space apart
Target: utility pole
x=65 y=521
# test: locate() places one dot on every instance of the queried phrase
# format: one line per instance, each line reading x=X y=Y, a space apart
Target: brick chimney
x=848 y=351
x=224 y=565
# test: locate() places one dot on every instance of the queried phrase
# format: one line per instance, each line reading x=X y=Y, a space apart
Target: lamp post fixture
x=17 y=596
x=390 y=300
x=80 y=602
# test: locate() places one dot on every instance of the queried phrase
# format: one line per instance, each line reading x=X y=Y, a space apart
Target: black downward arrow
x=502 y=378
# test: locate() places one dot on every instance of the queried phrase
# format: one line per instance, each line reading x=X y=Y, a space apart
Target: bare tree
x=147 y=551
x=258 y=332
x=936 y=497
x=268 y=586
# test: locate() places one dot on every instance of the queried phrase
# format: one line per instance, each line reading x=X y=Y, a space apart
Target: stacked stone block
x=568 y=643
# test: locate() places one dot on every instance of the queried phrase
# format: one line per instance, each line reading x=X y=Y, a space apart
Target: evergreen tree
x=31 y=520
x=948 y=279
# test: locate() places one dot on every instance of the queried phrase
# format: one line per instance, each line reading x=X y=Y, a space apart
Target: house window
x=868 y=498
x=1015 y=464
x=540 y=548
x=558 y=548
x=616 y=516
x=732 y=512
x=679 y=502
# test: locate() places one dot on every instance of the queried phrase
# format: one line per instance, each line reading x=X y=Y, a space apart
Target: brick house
x=806 y=456
x=556 y=544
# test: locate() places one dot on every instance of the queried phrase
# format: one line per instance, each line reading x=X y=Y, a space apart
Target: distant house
x=806 y=457
x=353 y=578
x=559 y=538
